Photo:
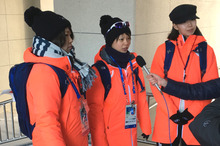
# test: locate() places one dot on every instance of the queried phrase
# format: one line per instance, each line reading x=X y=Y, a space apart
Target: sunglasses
x=121 y=24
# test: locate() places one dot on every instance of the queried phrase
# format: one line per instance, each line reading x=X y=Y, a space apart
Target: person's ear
x=175 y=26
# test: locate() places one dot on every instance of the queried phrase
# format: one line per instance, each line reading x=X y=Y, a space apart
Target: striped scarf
x=43 y=47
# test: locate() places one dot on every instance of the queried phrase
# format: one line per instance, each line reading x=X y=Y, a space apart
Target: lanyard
x=184 y=76
x=74 y=87
x=187 y=61
x=185 y=68
x=122 y=78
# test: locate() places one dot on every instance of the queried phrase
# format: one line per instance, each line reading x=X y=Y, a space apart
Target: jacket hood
x=104 y=55
x=62 y=62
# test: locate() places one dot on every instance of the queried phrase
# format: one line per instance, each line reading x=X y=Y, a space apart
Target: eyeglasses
x=121 y=24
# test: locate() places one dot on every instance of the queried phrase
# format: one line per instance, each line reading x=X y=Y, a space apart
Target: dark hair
x=175 y=33
x=127 y=33
x=60 y=39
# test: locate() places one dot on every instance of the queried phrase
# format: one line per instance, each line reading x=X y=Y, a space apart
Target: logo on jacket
x=206 y=123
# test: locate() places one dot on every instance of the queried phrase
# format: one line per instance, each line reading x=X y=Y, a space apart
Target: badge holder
x=131 y=115
x=84 y=116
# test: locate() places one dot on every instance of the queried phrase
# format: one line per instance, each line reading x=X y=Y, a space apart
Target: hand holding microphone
x=142 y=63
x=154 y=78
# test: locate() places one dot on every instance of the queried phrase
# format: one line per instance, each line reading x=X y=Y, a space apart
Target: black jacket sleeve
x=199 y=91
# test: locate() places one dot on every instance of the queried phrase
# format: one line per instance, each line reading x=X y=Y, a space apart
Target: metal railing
x=9 y=127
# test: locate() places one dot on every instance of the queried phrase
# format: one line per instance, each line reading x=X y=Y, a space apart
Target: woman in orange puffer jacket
x=113 y=121
x=172 y=126
x=57 y=119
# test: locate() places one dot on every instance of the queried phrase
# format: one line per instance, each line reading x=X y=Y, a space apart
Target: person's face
x=187 y=28
x=122 y=43
x=68 y=44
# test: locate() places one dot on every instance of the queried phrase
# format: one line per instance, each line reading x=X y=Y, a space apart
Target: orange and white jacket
x=57 y=119
x=107 y=118
x=176 y=72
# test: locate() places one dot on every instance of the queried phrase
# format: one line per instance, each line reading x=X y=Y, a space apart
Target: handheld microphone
x=142 y=63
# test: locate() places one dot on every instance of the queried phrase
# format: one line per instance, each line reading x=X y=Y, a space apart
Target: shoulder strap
x=138 y=79
x=170 y=47
x=202 y=48
x=105 y=76
x=63 y=79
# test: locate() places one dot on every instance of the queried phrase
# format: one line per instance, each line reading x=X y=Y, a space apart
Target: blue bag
x=18 y=76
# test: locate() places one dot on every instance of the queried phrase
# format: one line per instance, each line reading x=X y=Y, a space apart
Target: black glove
x=145 y=136
x=186 y=116
x=176 y=118
x=182 y=118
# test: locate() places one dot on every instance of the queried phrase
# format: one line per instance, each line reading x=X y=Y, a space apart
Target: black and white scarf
x=43 y=47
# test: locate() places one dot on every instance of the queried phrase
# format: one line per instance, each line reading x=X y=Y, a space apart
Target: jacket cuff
x=170 y=86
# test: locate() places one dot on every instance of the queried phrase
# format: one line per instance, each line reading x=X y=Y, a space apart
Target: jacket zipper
x=129 y=91
x=182 y=102
x=129 y=94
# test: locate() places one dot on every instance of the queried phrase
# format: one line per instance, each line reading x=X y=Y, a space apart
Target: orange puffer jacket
x=176 y=72
x=107 y=118
x=57 y=119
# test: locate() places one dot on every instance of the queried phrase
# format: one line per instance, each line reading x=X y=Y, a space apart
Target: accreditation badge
x=84 y=117
x=130 y=116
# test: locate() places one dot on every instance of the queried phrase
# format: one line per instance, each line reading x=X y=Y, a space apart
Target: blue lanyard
x=122 y=78
x=74 y=87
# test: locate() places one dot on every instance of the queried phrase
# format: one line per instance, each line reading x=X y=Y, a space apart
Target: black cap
x=45 y=24
x=105 y=23
x=182 y=13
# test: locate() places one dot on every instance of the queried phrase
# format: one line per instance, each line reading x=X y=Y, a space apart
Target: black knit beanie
x=105 y=23
x=45 y=24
